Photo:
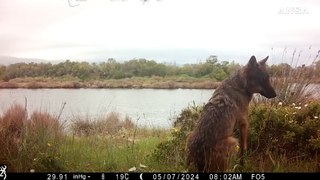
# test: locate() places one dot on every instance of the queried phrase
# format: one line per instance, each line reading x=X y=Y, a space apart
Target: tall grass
x=109 y=144
x=41 y=143
x=29 y=142
x=293 y=83
x=111 y=124
x=12 y=124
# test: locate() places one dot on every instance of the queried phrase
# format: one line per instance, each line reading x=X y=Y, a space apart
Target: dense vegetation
x=111 y=69
x=283 y=138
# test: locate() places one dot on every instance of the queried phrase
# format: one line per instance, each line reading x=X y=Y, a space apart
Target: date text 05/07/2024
x=191 y=176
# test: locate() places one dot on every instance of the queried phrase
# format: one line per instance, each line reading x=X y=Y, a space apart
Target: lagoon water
x=146 y=107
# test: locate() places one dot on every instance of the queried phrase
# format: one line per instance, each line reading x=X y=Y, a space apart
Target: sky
x=172 y=31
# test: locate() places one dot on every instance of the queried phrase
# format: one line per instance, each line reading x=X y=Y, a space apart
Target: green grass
x=108 y=154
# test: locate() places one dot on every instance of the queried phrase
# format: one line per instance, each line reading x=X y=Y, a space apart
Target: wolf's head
x=257 y=78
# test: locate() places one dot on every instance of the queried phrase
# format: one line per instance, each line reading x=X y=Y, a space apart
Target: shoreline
x=130 y=83
x=127 y=83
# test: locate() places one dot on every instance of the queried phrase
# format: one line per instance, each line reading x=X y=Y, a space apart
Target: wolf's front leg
x=243 y=138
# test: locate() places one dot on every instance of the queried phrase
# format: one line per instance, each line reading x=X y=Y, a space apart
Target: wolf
x=211 y=143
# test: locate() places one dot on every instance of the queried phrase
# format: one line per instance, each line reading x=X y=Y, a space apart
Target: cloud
x=54 y=30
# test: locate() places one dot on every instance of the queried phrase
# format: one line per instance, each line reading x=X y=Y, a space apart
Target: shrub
x=42 y=139
x=11 y=128
x=292 y=130
x=288 y=131
x=30 y=143
x=172 y=151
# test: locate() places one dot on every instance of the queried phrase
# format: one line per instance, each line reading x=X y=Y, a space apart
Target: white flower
x=306 y=105
x=132 y=169
x=293 y=104
x=280 y=103
x=143 y=166
x=298 y=107
x=316 y=117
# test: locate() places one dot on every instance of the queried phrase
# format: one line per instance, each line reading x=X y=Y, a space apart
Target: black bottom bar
x=160 y=176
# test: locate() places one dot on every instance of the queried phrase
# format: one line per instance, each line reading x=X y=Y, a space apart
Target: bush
x=293 y=130
x=11 y=128
x=42 y=140
x=172 y=151
x=288 y=131
x=30 y=143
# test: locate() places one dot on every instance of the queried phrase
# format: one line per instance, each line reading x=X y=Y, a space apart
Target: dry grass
x=109 y=125
x=11 y=128
x=24 y=139
x=40 y=121
x=135 y=82
x=38 y=142
x=5 y=85
x=293 y=84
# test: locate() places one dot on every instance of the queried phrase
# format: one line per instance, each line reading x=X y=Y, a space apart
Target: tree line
x=112 y=69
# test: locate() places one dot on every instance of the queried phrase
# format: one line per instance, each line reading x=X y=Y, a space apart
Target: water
x=146 y=107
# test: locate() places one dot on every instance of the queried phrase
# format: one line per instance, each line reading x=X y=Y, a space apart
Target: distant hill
x=7 y=60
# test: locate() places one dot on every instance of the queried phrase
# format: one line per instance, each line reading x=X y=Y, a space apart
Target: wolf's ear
x=252 y=62
x=263 y=61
